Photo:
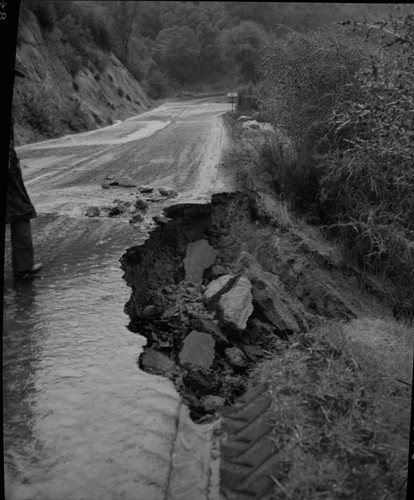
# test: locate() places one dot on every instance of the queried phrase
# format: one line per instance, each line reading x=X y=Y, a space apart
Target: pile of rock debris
x=206 y=337
x=134 y=205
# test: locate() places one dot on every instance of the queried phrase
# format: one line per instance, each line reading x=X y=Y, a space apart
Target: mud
x=293 y=287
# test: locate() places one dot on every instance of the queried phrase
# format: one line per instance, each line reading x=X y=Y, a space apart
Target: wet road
x=178 y=145
x=81 y=421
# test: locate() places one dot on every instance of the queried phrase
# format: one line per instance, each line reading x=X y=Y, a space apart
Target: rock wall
x=103 y=96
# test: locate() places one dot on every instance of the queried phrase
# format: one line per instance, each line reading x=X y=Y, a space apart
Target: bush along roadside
x=346 y=104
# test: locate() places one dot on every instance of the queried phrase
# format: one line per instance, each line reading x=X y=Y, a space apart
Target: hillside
x=53 y=100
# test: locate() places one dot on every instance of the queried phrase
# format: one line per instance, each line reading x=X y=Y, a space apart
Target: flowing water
x=81 y=421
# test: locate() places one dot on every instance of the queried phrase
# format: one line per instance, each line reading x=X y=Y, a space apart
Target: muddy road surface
x=81 y=421
x=178 y=145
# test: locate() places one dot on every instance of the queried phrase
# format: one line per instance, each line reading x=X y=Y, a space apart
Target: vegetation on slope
x=345 y=101
x=169 y=45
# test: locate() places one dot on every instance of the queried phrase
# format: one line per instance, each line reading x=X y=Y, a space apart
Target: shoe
x=30 y=272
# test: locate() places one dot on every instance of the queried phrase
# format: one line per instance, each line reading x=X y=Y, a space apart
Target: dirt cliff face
x=51 y=102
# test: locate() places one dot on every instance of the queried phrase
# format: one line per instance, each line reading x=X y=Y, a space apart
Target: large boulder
x=235 y=306
x=270 y=297
x=217 y=288
x=198 y=349
x=199 y=257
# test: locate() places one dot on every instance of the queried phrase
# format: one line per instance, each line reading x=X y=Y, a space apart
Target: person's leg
x=22 y=246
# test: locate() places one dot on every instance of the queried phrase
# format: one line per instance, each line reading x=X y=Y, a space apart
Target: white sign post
x=232 y=97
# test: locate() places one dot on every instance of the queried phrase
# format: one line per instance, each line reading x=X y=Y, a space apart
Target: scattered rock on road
x=136 y=219
x=145 y=189
x=141 y=204
x=92 y=211
x=126 y=181
x=167 y=192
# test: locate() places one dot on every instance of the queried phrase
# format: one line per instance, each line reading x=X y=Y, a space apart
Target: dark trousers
x=22 y=245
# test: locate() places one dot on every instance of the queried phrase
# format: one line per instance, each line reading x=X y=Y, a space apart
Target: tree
x=242 y=45
x=124 y=16
x=177 y=51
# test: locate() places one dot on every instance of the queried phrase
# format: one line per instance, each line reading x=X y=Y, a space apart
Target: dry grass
x=341 y=407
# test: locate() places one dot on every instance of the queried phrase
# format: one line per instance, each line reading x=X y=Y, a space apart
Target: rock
x=167 y=192
x=114 y=211
x=160 y=219
x=154 y=361
x=199 y=382
x=92 y=211
x=126 y=181
x=235 y=306
x=198 y=349
x=145 y=189
x=210 y=326
x=136 y=218
x=244 y=118
x=216 y=288
x=236 y=357
x=151 y=312
x=271 y=298
x=253 y=352
x=132 y=210
x=211 y=402
x=251 y=124
x=110 y=177
x=171 y=312
x=105 y=184
x=199 y=257
x=141 y=204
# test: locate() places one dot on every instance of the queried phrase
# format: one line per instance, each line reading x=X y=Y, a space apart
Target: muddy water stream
x=81 y=421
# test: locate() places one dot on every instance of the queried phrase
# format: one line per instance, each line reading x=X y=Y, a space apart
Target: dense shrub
x=75 y=117
x=347 y=103
x=38 y=109
x=248 y=99
x=368 y=181
x=310 y=73
x=156 y=84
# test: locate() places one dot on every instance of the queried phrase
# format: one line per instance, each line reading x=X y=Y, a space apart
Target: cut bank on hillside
x=55 y=100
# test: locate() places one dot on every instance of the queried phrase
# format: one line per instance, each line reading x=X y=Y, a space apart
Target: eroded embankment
x=215 y=289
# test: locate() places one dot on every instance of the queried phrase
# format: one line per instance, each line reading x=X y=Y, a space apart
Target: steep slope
x=52 y=101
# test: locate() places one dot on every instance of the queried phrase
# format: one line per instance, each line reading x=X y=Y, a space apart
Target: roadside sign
x=232 y=97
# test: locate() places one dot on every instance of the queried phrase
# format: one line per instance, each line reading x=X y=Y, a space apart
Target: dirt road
x=80 y=419
x=178 y=145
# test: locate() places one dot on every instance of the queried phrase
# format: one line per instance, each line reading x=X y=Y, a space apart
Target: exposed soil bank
x=215 y=289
